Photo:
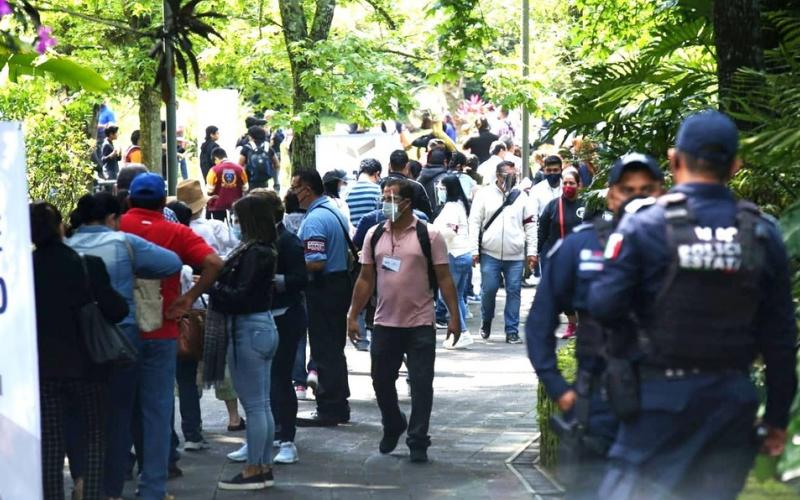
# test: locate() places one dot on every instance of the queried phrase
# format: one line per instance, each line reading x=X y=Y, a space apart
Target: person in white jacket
x=539 y=196
x=500 y=226
x=453 y=224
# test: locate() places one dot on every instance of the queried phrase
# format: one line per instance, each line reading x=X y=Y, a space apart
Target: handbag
x=191 y=330
x=147 y=298
x=105 y=341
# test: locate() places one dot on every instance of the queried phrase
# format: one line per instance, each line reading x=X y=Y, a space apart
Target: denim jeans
x=250 y=354
x=157 y=403
x=122 y=384
x=299 y=373
x=189 y=400
x=291 y=326
x=460 y=269
x=511 y=270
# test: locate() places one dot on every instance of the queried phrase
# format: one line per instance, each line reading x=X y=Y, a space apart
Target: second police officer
x=574 y=264
x=326 y=241
x=707 y=280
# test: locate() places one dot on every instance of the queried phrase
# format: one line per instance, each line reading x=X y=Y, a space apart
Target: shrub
x=545 y=407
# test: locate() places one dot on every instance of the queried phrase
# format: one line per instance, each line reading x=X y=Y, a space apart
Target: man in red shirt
x=226 y=183
x=158 y=351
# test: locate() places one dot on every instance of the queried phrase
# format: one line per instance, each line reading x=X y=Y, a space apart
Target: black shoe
x=390 y=439
x=240 y=483
x=234 y=428
x=174 y=471
x=486 y=330
x=314 y=419
x=513 y=338
x=419 y=456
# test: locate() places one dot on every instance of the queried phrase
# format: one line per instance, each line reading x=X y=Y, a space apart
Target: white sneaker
x=312 y=380
x=287 y=455
x=195 y=445
x=239 y=455
x=464 y=340
x=276 y=444
x=533 y=280
x=300 y=392
x=469 y=314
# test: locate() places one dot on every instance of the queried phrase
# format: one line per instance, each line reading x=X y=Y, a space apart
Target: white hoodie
x=512 y=229
x=540 y=195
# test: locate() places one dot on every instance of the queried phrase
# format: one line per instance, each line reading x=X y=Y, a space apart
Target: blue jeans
x=460 y=268
x=157 y=402
x=490 y=283
x=122 y=385
x=250 y=353
x=184 y=169
x=189 y=400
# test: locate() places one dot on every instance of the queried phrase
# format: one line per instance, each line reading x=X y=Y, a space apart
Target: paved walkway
x=484 y=412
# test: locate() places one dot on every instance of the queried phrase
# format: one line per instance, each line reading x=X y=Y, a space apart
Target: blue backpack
x=259 y=164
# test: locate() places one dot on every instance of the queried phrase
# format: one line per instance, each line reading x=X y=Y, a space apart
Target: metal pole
x=526 y=132
x=172 y=142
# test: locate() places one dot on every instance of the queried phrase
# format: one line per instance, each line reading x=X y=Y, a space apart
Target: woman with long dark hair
x=64 y=282
x=208 y=147
x=243 y=294
x=452 y=221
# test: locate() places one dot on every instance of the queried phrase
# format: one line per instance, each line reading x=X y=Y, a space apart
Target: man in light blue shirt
x=326 y=244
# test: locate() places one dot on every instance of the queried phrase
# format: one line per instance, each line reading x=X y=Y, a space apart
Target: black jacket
x=428 y=178
x=292 y=268
x=550 y=229
x=61 y=289
x=246 y=283
x=206 y=160
x=420 y=201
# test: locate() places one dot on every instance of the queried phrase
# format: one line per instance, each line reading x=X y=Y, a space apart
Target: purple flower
x=45 y=40
x=5 y=9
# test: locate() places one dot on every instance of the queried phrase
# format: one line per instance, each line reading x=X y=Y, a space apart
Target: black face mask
x=553 y=179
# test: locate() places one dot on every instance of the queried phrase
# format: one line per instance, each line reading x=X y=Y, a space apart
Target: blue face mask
x=441 y=195
x=236 y=229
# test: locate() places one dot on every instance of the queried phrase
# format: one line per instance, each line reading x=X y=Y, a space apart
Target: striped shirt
x=363 y=199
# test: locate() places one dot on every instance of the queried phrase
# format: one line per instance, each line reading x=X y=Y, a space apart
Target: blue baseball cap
x=709 y=135
x=634 y=159
x=148 y=186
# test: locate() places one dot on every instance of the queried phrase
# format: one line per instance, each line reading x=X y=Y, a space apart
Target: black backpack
x=424 y=243
x=259 y=164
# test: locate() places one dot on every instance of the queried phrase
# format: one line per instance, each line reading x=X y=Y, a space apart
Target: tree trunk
x=150 y=128
x=737 y=37
x=296 y=31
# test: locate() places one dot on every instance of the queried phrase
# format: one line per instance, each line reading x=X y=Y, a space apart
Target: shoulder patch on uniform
x=555 y=248
x=636 y=205
x=671 y=199
x=315 y=245
x=613 y=246
x=582 y=227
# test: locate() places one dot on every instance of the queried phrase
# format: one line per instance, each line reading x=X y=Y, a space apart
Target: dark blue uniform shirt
x=571 y=268
x=637 y=258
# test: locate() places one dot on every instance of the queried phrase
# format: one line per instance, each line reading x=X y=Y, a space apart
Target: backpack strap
x=350 y=243
x=376 y=236
x=425 y=244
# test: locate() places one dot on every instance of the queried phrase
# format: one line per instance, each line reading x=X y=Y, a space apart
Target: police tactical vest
x=704 y=315
x=590 y=339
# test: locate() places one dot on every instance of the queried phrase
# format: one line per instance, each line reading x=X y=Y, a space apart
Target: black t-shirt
x=479 y=145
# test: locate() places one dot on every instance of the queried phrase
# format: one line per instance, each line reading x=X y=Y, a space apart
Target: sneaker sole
x=286 y=462
x=245 y=487
x=237 y=459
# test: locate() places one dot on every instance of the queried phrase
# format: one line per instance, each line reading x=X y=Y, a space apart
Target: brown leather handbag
x=192 y=330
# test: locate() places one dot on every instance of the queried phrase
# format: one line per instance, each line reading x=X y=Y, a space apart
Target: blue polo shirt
x=323 y=237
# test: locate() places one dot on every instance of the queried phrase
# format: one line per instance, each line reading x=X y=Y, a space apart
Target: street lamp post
x=526 y=143
x=171 y=131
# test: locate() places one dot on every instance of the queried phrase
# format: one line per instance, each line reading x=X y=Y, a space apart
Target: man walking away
x=257 y=158
x=500 y=226
x=434 y=170
x=365 y=195
x=226 y=183
x=325 y=240
x=407 y=260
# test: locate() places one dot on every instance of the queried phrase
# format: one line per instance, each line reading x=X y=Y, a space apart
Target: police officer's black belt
x=657 y=372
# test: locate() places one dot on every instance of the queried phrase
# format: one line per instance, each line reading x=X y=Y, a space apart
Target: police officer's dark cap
x=634 y=160
x=709 y=135
x=334 y=175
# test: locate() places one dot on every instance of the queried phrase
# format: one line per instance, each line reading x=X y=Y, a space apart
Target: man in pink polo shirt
x=408 y=260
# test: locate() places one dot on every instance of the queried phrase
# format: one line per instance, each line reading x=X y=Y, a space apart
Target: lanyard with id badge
x=390 y=262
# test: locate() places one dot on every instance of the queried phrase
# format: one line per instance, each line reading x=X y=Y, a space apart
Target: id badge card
x=391 y=264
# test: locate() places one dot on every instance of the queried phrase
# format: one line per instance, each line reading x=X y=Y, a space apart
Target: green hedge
x=548 y=442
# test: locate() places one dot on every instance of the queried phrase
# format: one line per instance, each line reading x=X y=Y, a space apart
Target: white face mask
x=441 y=195
x=391 y=210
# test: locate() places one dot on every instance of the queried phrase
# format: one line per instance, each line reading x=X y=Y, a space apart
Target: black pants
x=88 y=399
x=291 y=326
x=387 y=350
x=328 y=301
x=217 y=214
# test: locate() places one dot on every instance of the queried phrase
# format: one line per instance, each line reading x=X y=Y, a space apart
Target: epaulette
x=668 y=199
x=555 y=248
x=636 y=205
x=582 y=227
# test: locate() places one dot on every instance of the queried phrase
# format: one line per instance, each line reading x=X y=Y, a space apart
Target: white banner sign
x=346 y=151
x=20 y=448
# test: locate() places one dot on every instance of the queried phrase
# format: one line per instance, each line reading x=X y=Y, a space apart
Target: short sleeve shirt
x=323 y=237
x=190 y=247
x=405 y=299
x=228 y=180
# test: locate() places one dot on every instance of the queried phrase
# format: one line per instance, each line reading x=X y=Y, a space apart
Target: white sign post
x=20 y=448
x=346 y=151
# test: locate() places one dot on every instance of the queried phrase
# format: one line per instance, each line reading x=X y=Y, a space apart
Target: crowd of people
x=260 y=280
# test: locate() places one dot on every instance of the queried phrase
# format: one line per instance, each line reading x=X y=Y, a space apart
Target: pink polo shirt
x=405 y=299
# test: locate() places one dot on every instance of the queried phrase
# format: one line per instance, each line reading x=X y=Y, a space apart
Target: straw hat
x=191 y=192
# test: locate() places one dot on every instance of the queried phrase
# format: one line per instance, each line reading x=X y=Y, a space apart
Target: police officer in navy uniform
x=575 y=263
x=326 y=240
x=707 y=279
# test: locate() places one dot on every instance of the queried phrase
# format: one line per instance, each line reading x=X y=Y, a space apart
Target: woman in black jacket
x=63 y=284
x=207 y=148
x=244 y=293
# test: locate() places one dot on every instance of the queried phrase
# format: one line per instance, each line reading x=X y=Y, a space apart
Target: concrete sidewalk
x=484 y=412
